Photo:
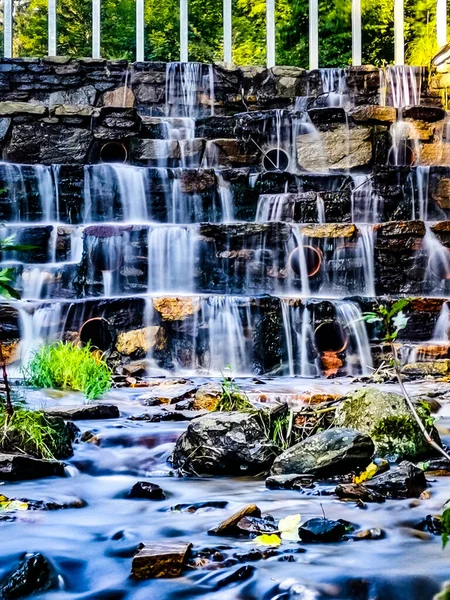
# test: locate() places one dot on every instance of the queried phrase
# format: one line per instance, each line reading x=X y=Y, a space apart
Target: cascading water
x=437 y=269
x=302 y=356
x=335 y=88
x=351 y=319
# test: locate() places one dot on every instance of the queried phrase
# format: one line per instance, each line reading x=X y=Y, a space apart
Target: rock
x=149 y=491
x=352 y=491
x=438 y=467
x=87 y=411
x=169 y=394
x=433 y=368
x=407 y=481
x=176 y=309
x=256 y=525
x=370 y=534
x=13 y=109
x=444 y=594
x=289 y=482
x=185 y=404
x=229 y=526
x=192 y=508
x=67 y=110
x=122 y=97
x=136 y=368
x=15 y=467
x=35 y=575
x=81 y=96
x=386 y=417
x=160 y=559
x=330 y=452
x=321 y=530
x=374 y=114
x=330 y=230
x=338 y=147
x=241 y=574
x=207 y=397
x=224 y=443
x=139 y=340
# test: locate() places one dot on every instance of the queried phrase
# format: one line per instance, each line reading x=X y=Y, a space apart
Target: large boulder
x=233 y=443
x=331 y=452
x=386 y=417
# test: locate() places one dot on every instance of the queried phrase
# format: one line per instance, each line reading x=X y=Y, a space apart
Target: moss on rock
x=386 y=417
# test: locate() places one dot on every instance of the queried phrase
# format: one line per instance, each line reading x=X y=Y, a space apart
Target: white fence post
x=313 y=34
x=441 y=22
x=139 y=30
x=96 y=28
x=184 y=24
x=399 y=32
x=7 y=29
x=52 y=27
x=227 y=32
x=356 y=33
x=270 y=33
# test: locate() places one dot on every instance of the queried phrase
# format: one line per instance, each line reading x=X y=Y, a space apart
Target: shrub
x=34 y=433
x=65 y=365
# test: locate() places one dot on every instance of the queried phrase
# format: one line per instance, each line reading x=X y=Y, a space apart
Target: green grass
x=34 y=433
x=66 y=366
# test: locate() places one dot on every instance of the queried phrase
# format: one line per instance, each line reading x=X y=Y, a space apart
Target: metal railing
x=399 y=24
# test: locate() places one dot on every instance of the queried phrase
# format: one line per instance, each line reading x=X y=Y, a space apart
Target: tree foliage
x=249 y=30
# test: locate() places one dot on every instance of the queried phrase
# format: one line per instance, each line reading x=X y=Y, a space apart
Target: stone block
x=160 y=559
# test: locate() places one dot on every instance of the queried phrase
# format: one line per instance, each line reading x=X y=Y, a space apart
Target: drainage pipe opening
x=330 y=336
x=113 y=152
x=97 y=332
x=313 y=260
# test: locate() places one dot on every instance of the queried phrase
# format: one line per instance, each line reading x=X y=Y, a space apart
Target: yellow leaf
x=6 y=504
x=367 y=474
x=289 y=528
x=268 y=539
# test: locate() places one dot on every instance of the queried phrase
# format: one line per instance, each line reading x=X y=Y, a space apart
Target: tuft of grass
x=233 y=398
x=67 y=366
x=32 y=432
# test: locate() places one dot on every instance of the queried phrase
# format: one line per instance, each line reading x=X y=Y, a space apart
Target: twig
x=422 y=427
x=9 y=407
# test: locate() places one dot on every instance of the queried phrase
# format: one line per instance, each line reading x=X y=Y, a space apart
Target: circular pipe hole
x=401 y=156
x=106 y=254
x=98 y=332
x=330 y=336
x=113 y=152
x=313 y=260
x=275 y=159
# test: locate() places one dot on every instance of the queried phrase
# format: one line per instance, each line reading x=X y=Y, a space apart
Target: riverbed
x=91 y=548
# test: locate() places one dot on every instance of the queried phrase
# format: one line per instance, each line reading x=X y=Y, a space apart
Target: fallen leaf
x=268 y=539
x=7 y=505
x=289 y=528
x=367 y=474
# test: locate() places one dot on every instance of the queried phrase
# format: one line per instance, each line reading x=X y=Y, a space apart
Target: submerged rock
x=34 y=575
x=207 y=397
x=14 y=467
x=289 y=482
x=321 y=530
x=86 y=411
x=230 y=525
x=331 y=452
x=386 y=417
x=160 y=559
x=224 y=443
x=407 y=481
x=147 y=490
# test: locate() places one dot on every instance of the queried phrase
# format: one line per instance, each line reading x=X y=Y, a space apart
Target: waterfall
x=171 y=258
x=108 y=187
x=274 y=207
x=185 y=84
x=419 y=179
x=366 y=205
x=335 y=87
x=366 y=250
x=442 y=327
x=350 y=317
x=38 y=324
x=299 y=339
x=437 y=271
x=230 y=338
x=400 y=86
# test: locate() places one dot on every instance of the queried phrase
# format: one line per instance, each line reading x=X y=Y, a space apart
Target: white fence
x=399 y=39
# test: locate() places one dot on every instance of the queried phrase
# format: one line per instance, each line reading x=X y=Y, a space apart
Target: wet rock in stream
x=289 y=482
x=192 y=508
x=34 y=575
x=230 y=525
x=160 y=559
x=87 y=411
x=321 y=530
x=331 y=452
x=231 y=443
x=15 y=467
x=146 y=490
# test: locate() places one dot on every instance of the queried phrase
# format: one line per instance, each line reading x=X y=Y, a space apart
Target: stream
x=91 y=548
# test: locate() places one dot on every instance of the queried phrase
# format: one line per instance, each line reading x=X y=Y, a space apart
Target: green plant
x=34 y=433
x=65 y=365
x=233 y=398
x=393 y=321
x=281 y=429
x=445 y=524
x=7 y=275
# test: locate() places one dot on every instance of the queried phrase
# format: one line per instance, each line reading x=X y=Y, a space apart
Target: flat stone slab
x=87 y=411
x=15 y=467
x=160 y=559
x=228 y=527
